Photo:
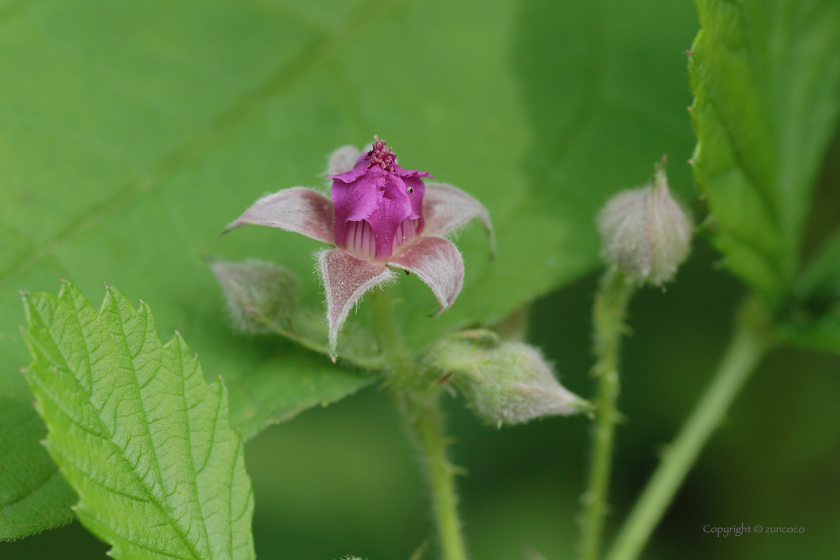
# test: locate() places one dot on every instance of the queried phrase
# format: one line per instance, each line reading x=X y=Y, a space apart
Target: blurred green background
x=343 y=479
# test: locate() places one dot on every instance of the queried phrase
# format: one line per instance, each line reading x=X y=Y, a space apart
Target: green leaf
x=766 y=77
x=28 y=509
x=813 y=317
x=125 y=152
x=137 y=432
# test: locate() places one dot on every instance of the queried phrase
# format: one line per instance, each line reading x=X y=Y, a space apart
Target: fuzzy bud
x=645 y=233
x=257 y=293
x=504 y=382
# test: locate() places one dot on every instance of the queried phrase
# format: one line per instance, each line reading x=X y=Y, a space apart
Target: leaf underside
x=126 y=151
x=137 y=432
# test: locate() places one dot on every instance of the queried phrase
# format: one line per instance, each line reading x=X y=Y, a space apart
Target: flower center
x=381 y=155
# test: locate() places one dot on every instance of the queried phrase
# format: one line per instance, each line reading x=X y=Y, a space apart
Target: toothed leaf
x=144 y=441
x=766 y=80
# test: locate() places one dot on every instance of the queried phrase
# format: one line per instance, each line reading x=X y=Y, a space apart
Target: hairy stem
x=608 y=322
x=751 y=341
x=418 y=398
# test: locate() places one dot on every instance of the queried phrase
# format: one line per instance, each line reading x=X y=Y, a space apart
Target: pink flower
x=380 y=216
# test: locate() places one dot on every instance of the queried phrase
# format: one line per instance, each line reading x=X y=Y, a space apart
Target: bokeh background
x=343 y=479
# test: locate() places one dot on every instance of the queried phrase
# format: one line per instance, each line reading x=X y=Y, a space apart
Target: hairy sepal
x=438 y=263
x=346 y=278
x=298 y=209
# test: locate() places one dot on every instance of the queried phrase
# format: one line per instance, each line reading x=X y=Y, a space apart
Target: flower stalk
x=750 y=342
x=609 y=312
x=418 y=399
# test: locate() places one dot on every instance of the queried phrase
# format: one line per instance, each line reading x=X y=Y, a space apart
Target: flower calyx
x=504 y=382
x=380 y=216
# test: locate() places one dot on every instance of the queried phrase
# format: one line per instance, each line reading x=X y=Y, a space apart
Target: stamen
x=359 y=239
x=381 y=155
x=405 y=232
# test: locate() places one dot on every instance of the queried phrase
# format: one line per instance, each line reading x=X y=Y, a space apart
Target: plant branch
x=749 y=344
x=418 y=400
x=609 y=312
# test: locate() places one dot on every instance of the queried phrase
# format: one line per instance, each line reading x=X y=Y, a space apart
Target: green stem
x=418 y=399
x=749 y=344
x=608 y=323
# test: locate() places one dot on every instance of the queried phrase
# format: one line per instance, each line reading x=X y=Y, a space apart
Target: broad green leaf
x=137 y=432
x=132 y=133
x=813 y=317
x=33 y=495
x=766 y=80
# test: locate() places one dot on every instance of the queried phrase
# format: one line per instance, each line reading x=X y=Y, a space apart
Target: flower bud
x=644 y=232
x=504 y=382
x=257 y=293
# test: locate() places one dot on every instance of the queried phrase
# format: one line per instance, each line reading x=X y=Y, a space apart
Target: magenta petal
x=298 y=209
x=394 y=207
x=346 y=279
x=447 y=208
x=436 y=262
x=380 y=198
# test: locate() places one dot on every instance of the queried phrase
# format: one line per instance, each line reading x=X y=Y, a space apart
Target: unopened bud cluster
x=645 y=233
x=504 y=382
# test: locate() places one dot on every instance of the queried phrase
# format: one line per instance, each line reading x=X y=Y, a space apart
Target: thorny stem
x=608 y=322
x=749 y=344
x=418 y=400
